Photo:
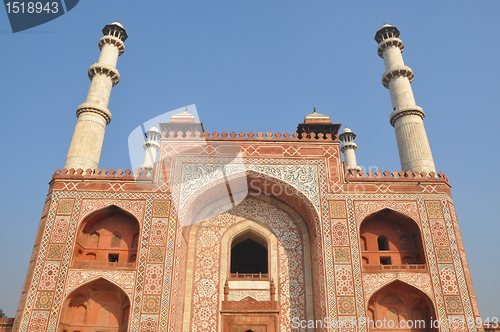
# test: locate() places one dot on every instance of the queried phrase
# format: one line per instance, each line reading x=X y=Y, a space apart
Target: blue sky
x=257 y=66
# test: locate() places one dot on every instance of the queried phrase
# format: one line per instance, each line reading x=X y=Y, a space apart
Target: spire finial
x=314 y=111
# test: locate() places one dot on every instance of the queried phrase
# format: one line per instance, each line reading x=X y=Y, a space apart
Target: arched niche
x=96 y=306
x=399 y=306
x=107 y=238
x=391 y=238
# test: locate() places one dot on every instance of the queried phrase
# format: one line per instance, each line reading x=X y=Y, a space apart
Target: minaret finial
x=93 y=115
x=407 y=118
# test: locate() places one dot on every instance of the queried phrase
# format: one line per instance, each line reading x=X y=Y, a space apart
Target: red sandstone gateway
x=312 y=240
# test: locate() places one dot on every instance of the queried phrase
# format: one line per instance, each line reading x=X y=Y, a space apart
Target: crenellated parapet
x=242 y=136
x=109 y=174
x=353 y=175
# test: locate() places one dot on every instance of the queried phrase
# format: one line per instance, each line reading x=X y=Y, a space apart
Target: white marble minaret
x=94 y=115
x=407 y=118
x=349 y=148
x=151 y=147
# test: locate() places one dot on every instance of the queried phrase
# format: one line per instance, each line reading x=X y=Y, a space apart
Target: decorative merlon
x=250 y=136
x=415 y=176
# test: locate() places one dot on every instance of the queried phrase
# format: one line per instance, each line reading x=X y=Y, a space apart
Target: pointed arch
x=97 y=277
x=398 y=301
x=99 y=303
x=212 y=199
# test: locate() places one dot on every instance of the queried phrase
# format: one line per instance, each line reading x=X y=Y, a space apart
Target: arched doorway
x=390 y=238
x=107 y=238
x=98 y=305
x=402 y=307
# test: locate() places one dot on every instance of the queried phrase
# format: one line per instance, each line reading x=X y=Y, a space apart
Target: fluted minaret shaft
x=407 y=118
x=94 y=115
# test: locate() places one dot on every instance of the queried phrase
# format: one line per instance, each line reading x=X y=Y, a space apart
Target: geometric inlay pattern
x=156 y=255
x=153 y=280
x=345 y=285
x=49 y=276
x=434 y=209
x=439 y=232
x=59 y=231
x=149 y=324
x=44 y=300
x=443 y=255
x=340 y=236
x=55 y=251
x=346 y=306
x=158 y=235
x=341 y=255
x=151 y=304
x=453 y=304
x=161 y=208
x=38 y=322
x=449 y=281
x=65 y=206
x=337 y=209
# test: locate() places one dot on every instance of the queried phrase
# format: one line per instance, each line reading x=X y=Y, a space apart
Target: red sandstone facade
x=247 y=232
x=111 y=255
